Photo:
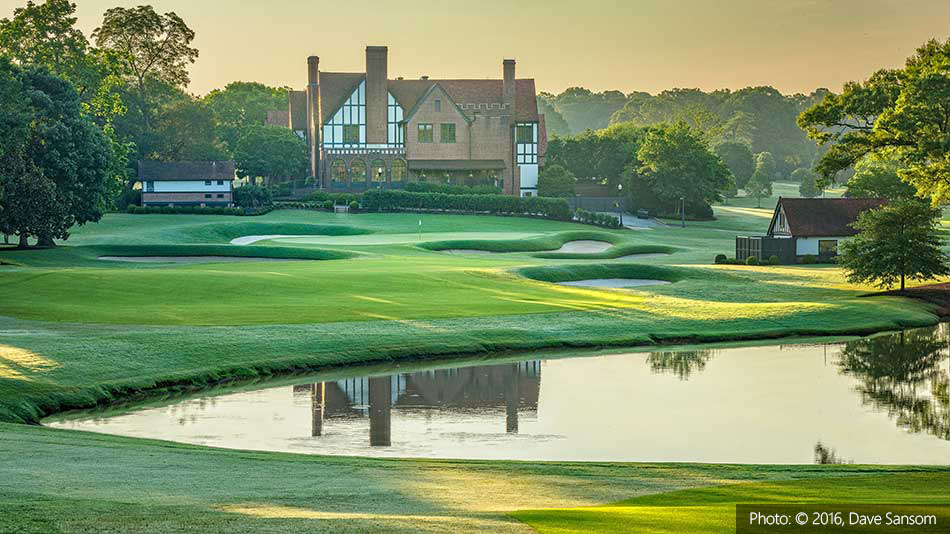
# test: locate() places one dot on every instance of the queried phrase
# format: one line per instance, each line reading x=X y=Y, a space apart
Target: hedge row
x=597 y=219
x=196 y=210
x=393 y=200
x=340 y=199
x=429 y=187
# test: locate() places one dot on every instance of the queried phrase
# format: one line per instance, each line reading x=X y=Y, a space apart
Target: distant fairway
x=391 y=239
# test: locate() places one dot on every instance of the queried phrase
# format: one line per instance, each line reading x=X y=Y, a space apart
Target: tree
x=242 y=104
x=185 y=131
x=903 y=111
x=60 y=146
x=896 y=242
x=554 y=122
x=808 y=180
x=677 y=164
x=150 y=47
x=739 y=159
x=759 y=186
x=765 y=165
x=876 y=177
x=32 y=205
x=556 y=181
x=270 y=152
x=251 y=196
x=46 y=34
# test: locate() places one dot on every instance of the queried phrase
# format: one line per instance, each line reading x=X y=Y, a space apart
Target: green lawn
x=77 y=331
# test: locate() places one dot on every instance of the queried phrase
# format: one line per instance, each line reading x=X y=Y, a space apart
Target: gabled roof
x=159 y=171
x=433 y=88
x=822 y=217
x=335 y=88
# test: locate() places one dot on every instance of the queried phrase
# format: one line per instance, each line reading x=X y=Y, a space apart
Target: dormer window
x=438 y=104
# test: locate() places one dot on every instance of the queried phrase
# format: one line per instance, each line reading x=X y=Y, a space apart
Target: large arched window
x=398 y=170
x=338 y=172
x=358 y=171
x=377 y=170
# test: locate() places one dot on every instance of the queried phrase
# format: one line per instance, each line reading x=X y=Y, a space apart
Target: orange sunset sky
x=644 y=45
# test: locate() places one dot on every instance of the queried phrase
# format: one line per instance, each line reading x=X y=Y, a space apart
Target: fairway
x=76 y=331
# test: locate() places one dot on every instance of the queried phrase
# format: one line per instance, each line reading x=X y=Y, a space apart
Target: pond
x=883 y=399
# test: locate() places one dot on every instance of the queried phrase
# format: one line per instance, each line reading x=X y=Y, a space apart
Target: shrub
x=752 y=260
x=428 y=187
x=394 y=200
x=809 y=259
x=328 y=205
x=251 y=196
x=773 y=260
x=596 y=219
x=721 y=258
x=354 y=205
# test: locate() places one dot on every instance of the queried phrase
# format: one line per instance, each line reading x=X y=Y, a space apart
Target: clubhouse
x=366 y=130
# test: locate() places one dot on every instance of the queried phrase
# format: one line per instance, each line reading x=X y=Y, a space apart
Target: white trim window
x=347 y=127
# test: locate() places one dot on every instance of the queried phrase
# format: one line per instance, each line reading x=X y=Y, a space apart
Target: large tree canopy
x=903 y=112
x=242 y=104
x=677 y=164
x=270 y=152
x=739 y=159
x=62 y=156
x=150 y=47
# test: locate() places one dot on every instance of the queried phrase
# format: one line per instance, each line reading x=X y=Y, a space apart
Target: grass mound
x=535 y=244
x=225 y=231
x=249 y=251
x=570 y=273
x=615 y=251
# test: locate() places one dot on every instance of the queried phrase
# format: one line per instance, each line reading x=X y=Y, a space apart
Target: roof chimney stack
x=377 y=94
x=508 y=86
x=313 y=115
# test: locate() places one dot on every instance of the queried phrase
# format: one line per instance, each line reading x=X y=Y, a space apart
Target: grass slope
x=713 y=509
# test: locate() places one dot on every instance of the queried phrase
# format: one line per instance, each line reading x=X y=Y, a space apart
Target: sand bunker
x=192 y=259
x=614 y=282
x=467 y=251
x=585 y=246
x=379 y=239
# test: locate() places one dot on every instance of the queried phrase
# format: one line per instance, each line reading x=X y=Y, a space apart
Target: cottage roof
x=822 y=217
x=157 y=171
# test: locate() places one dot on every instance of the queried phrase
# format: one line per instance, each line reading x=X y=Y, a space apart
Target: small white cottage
x=806 y=226
x=186 y=183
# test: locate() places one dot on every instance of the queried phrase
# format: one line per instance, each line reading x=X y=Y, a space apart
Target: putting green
x=392 y=239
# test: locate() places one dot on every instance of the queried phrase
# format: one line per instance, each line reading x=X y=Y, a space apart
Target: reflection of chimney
x=377 y=92
x=313 y=114
x=317 y=403
x=512 y=396
x=380 y=416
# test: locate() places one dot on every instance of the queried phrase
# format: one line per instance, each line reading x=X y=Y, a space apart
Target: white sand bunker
x=192 y=259
x=614 y=282
x=467 y=251
x=585 y=246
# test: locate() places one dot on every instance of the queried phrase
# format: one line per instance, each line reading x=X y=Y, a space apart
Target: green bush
x=752 y=260
x=328 y=205
x=809 y=259
x=354 y=206
x=394 y=200
x=596 y=219
x=721 y=258
x=428 y=187
x=773 y=260
x=196 y=210
x=251 y=196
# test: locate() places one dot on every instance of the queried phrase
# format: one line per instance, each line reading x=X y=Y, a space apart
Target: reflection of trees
x=825 y=455
x=681 y=363
x=901 y=373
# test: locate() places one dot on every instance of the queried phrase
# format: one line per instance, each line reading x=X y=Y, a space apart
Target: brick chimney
x=377 y=93
x=508 y=87
x=314 y=130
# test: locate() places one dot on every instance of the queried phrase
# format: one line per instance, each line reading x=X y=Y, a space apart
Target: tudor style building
x=366 y=130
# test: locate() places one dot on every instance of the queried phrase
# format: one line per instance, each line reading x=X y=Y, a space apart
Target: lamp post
x=683 y=212
x=620 y=202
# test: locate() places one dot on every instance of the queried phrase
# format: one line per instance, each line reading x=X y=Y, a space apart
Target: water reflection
x=680 y=363
x=476 y=389
x=878 y=400
x=902 y=375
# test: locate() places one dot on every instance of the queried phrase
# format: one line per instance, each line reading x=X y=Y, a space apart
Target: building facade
x=366 y=130
x=806 y=227
x=186 y=183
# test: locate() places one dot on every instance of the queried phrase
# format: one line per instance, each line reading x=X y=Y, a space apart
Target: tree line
x=127 y=81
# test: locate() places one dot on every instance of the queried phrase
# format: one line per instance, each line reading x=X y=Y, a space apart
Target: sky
x=628 y=45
